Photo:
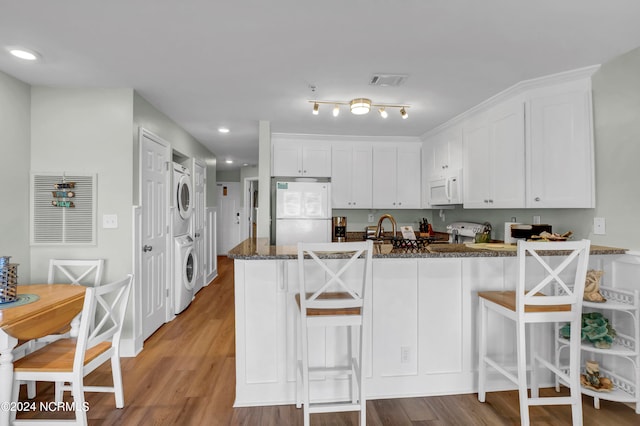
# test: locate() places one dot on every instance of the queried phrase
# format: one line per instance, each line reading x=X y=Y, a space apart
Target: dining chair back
x=341 y=299
x=87 y=272
x=70 y=360
x=549 y=289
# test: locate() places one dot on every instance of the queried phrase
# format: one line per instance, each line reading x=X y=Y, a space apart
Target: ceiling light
x=26 y=54
x=223 y=130
x=229 y=161
x=360 y=106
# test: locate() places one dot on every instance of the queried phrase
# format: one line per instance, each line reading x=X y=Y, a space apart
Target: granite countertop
x=259 y=249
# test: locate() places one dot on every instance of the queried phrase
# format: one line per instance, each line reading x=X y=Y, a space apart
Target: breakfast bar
x=424 y=306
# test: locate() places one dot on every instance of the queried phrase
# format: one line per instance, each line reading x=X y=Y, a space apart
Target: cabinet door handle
x=537 y=199
x=147 y=248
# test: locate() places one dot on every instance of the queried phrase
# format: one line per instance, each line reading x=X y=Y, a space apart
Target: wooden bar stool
x=340 y=299
x=534 y=301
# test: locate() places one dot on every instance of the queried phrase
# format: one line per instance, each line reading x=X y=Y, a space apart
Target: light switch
x=599 y=226
x=109 y=221
x=370 y=218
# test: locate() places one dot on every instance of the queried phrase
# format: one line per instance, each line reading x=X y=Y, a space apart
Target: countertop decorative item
x=592 y=380
x=592 y=286
x=8 y=280
x=595 y=328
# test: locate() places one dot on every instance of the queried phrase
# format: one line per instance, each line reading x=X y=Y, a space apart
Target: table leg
x=7 y=343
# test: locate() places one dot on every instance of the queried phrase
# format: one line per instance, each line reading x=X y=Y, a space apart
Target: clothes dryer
x=185 y=267
x=182 y=199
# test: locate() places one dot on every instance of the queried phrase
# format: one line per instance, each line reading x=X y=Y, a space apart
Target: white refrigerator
x=303 y=212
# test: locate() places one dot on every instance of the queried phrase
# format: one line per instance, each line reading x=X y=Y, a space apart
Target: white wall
x=89 y=131
x=15 y=103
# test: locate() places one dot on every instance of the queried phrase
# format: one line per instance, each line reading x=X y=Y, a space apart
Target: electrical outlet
x=536 y=220
x=599 y=226
x=370 y=218
x=405 y=354
x=110 y=221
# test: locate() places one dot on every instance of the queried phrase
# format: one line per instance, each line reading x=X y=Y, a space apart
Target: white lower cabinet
x=423 y=330
x=395 y=317
x=261 y=326
x=440 y=318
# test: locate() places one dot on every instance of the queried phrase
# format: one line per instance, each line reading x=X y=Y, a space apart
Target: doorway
x=229 y=231
x=250 y=221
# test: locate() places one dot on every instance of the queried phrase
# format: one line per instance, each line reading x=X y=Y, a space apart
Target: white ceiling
x=211 y=63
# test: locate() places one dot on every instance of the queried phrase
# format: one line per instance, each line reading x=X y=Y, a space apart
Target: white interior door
x=199 y=174
x=154 y=203
x=250 y=218
x=229 y=235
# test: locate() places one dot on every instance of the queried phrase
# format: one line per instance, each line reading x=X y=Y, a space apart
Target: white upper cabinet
x=396 y=175
x=443 y=152
x=351 y=174
x=560 y=150
x=494 y=159
x=301 y=158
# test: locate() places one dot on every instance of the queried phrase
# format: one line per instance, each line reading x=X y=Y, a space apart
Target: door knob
x=147 y=248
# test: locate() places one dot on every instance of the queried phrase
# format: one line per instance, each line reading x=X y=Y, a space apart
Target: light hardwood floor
x=186 y=376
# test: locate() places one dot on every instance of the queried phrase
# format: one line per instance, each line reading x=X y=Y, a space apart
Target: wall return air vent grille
x=51 y=224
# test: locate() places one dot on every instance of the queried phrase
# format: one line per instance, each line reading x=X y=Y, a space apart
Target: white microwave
x=446 y=190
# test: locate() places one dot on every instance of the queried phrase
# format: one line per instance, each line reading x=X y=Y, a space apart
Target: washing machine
x=185 y=267
x=182 y=200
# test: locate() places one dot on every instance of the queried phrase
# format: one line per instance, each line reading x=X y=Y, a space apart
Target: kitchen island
x=424 y=307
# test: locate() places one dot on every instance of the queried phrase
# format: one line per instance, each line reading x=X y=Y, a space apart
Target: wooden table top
x=57 y=306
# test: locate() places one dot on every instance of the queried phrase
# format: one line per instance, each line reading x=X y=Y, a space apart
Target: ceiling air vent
x=387 y=79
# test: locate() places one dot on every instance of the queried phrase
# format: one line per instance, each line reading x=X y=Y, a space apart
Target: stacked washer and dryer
x=185 y=264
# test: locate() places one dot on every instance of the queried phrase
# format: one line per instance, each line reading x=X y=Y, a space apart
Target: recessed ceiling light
x=223 y=130
x=26 y=54
x=229 y=161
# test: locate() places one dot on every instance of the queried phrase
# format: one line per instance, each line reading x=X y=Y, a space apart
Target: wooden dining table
x=56 y=307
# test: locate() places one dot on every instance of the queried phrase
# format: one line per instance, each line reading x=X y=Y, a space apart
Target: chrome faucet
x=394 y=225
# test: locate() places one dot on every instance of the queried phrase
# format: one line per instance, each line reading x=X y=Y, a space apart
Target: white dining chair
x=535 y=301
x=87 y=272
x=340 y=300
x=70 y=360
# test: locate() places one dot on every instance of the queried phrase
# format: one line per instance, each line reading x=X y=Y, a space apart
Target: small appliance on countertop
x=521 y=231
x=464 y=232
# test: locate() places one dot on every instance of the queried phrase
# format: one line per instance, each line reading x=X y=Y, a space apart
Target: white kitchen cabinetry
x=395 y=322
x=351 y=174
x=622 y=308
x=301 y=158
x=560 y=165
x=494 y=158
x=443 y=152
x=396 y=175
x=261 y=326
x=439 y=297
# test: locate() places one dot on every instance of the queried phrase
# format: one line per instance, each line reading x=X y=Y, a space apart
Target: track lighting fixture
x=360 y=106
